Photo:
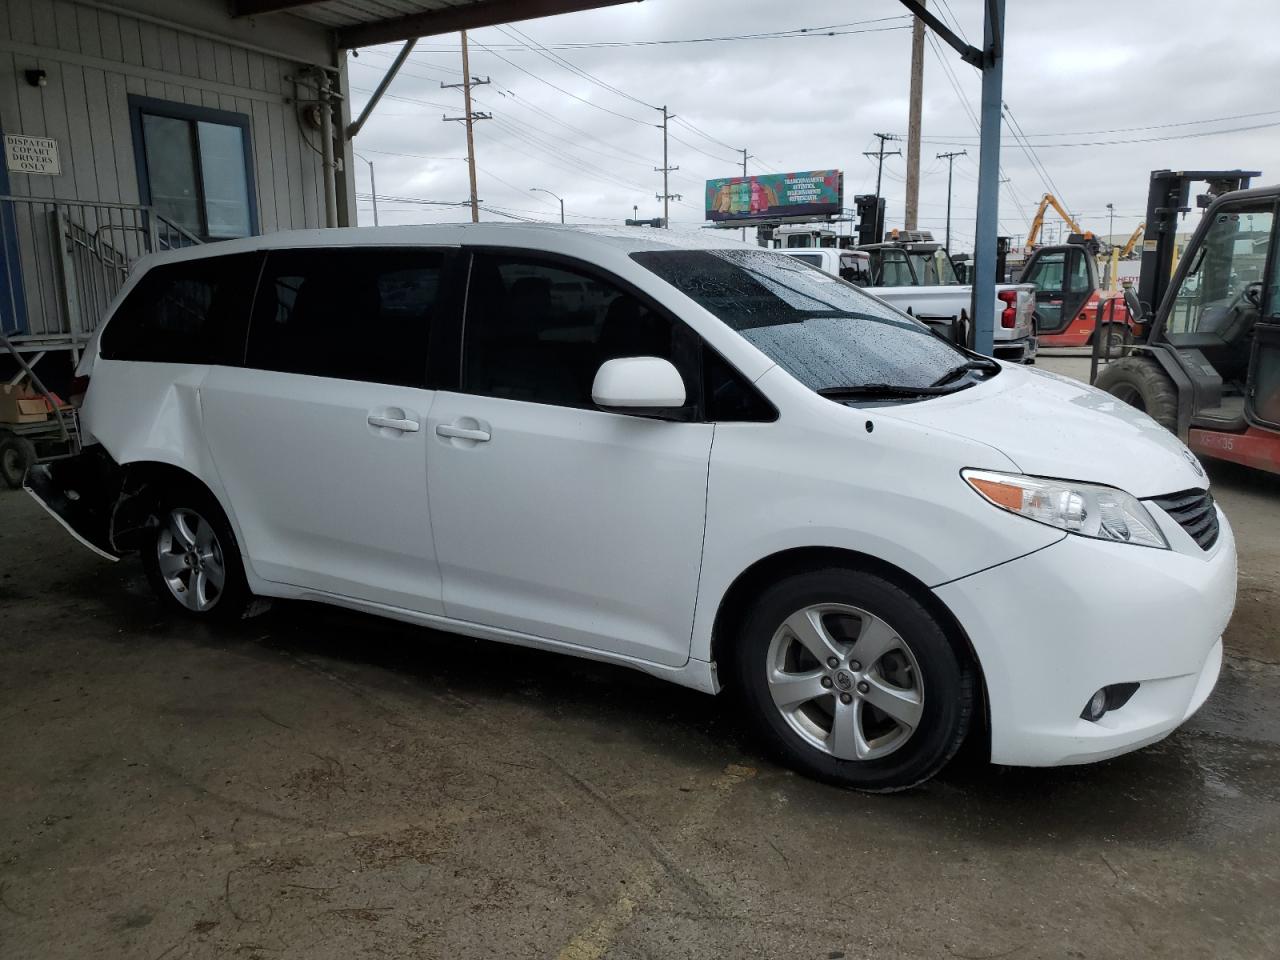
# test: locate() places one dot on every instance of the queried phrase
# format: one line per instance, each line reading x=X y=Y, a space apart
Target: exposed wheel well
x=140 y=487
x=737 y=600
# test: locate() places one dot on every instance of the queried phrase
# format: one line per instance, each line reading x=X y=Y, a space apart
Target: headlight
x=1087 y=509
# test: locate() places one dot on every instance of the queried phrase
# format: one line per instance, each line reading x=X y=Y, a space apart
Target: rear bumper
x=1015 y=351
x=81 y=493
x=1053 y=627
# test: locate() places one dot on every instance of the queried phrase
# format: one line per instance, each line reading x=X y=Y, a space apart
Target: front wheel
x=1142 y=383
x=848 y=678
x=192 y=561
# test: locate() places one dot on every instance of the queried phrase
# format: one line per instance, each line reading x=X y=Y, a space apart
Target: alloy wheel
x=845 y=681
x=191 y=560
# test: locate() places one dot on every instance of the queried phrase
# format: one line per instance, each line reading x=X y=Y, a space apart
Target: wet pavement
x=314 y=783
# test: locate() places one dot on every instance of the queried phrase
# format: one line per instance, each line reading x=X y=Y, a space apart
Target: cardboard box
x=21 y=404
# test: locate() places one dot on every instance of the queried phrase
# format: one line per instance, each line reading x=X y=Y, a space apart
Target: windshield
x=824 y=332
x=934 y=269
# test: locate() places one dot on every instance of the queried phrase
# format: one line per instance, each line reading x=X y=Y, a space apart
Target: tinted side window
x=1048 y=272
x=352 y=314
x=195 y=311
x=538 y=331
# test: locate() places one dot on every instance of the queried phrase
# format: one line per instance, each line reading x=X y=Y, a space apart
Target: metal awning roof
x=362 y=23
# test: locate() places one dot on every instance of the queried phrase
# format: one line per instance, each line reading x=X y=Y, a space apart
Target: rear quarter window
x=196 y=311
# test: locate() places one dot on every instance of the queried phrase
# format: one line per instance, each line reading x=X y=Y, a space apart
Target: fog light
x=1096 y=706
x=1111 y=697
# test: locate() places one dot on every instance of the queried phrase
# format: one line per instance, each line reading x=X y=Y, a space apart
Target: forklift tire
x=17 y=455
x=1141 y=382
x=1117 y=339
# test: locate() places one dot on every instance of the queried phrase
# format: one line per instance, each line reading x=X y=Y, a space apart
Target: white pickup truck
x=920 y=279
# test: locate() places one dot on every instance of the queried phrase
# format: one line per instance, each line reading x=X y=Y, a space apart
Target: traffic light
x=870 y=210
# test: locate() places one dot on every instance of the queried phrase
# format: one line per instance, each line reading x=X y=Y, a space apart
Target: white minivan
x=696 y=458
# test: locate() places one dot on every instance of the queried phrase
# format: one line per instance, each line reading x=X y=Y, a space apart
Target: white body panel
x=578 y=524
x=616 y=537
x=326 y=500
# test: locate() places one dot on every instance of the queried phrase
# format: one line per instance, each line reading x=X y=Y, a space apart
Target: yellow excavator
x=1037 y=223
x=1127 y=250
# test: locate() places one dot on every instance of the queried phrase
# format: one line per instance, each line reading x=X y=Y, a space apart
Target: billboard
x=771 y=195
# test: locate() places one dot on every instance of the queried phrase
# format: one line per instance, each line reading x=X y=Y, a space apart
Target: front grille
x=1193 y=509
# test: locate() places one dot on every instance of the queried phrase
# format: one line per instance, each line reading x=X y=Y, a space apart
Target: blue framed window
x=195 y=167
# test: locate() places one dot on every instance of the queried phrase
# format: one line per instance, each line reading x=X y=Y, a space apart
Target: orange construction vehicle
x=1071 y=306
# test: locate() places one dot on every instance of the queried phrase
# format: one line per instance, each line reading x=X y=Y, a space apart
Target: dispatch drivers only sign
x=38 y=155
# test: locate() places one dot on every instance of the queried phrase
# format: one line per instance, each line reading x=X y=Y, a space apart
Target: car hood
x=1051 y=426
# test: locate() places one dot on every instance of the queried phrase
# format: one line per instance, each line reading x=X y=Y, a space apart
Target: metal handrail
x=170 y=224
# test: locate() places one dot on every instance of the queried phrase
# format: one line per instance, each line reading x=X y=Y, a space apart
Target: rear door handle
x=391 y=423
x=462 y=433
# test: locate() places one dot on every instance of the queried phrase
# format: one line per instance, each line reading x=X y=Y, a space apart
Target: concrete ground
x=318 y=784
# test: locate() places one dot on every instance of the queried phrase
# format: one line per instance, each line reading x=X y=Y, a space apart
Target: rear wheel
x=192 y=561
x=849 y=679
x=1142 y=383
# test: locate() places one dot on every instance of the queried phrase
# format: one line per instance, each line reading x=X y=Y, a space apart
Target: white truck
x=918 y=277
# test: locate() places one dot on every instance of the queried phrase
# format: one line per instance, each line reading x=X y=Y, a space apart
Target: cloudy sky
x=1104 y=92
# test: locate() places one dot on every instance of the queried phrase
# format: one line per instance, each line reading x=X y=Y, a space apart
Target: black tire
x=946 y=680
x=1142 y=383
x=17 y=456
x=1118 y=337
x=232 y=599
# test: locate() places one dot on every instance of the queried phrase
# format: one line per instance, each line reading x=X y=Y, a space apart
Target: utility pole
x=744 y=173
x=666 y=196
x=951 y=162
x=468 y=81
x=913 y=123
x=880 y=155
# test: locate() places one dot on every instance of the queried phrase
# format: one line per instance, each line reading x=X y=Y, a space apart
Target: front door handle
x=392 y=423
x=462 y=433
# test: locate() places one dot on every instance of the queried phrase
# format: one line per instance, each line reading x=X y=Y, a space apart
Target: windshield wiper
x=955 y=373
x=882 y=390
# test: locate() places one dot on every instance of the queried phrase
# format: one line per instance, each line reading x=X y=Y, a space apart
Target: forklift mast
x=1167 y=199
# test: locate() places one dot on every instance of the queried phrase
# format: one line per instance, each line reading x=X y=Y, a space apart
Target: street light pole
x=544 y=190
x=373 y=189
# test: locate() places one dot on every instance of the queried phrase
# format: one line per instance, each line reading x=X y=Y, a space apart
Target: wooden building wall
x=96 y=57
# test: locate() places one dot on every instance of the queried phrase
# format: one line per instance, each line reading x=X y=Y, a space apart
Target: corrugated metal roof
x=361 y=23
x=346 y=13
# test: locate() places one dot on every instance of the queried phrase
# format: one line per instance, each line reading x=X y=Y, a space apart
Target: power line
x=1031 y=155
x=1152 y=126
x=833 y=30
x=1112 y=143
x=562 y=62
x=560 y=89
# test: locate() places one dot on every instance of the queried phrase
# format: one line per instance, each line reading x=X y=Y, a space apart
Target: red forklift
x=1206 y=363
x=1072 y=309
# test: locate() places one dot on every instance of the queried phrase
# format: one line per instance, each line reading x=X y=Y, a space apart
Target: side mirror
x=643 y=385
x=1253 y=293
